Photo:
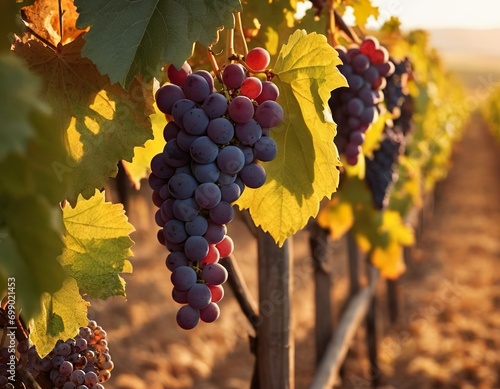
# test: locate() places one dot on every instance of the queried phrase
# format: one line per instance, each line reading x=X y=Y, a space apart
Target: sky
x=428 y=14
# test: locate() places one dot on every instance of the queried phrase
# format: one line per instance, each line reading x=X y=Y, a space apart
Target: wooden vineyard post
x=318 y=242
x=275 y=344
x=371 y=336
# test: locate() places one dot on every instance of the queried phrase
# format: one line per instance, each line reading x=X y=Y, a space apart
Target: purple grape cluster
x=215 y=141
x=355 y=107
x=82 y=362
x=381 y=169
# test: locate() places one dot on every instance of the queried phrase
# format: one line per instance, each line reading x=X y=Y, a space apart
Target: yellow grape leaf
x=97 y=246
x=139 y=168
x=337 y=216
x=389 y=260
x=305 y=169
x=62 y=314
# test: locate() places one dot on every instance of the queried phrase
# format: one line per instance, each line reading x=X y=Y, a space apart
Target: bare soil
x=448 y=331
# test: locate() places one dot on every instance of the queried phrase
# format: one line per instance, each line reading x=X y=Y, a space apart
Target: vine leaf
x=305 y=169
x=127 y=38
x=139 y=168
x=62 y=314
x=97 y=246
x=102 y=122
x=30 y=242
x=362 y=9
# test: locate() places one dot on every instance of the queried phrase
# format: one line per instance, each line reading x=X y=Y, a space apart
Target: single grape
x=203 y=150
x=174 y=155
x=251 y=87
x=206 y=172
x=178 y=76
x=182 y=186
x=210 y=313
x=214 y=274
x=226 y=179
x=241 y=109
x=195 y=121
x=188 y=317
x=225 y=247
x=185 y=209
x=355 y=107
x=69 y=385
x=196 y=248
x=217 y=292
x=183 y=277
x=230 y=160
x=253 y=175
x=196 y=88
x=91 y=378
x=220 y=130
x=175 y=260
x=360 y=63
x=180 y=108
x=222 y=213
x=212 y=256
x=167 y=96
x=233 y=75
x=269 y=114
x=248 y=133
x=265 y=149
x=269 y=92
x=185 y=140
x=215 y=232
x=160 y=168
x=167 y=209
x=207 y=195
x=78 y=377
x=258 y=59
x=66 y=368
x=197 y=226
x=174 y=231
x=357 y=138
x=179 y=296
x=230 y=193
x=215 y=105
x=369 y=45
x=199 y=296
x=207 y=76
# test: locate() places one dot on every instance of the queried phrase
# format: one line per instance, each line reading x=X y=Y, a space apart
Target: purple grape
x=199 y=296
x=155 y=182
x=188 y=317
x=215 y=105
x=206 y=172
x=248 y=133
x=372 y=74
x=230 y=160
x=357 y=138
x=175 y=260
x=182 y=186
x=185 y=209
x=197 y=226
x=220 y=130
x=78 y=377
x=207 y=195
x=269 y=114
x=269 y=92
x=233 y=75
x=167 y=96
x=160 y=222
x=167 y=209
x=66 y=368
x=160 y=168
x=196 y=88
x=203 y=150
x=360 y=63
x=265 y=149
x=241 y=109
x=355 y=107
x=185 y=139
x=230 y=193
x=207 y=76
x=226 y=179
x=253 y=175
x=195 y=121
x=368 y=115
x=178 y=76
x=215 y=232
x=210 y=313
x=355 y=82
x=175 y=231
x=214 y=274
x=196 y=248
x=222 y=213
x=183 y=277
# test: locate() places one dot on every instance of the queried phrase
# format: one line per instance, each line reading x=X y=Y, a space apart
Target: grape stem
x=348 y=31
x=230 y=53
x=239 y=28
x=215 y=66
x=61 y=13
x=330 y=26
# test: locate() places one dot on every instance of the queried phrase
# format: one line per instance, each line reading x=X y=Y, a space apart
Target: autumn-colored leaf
x=103 y=123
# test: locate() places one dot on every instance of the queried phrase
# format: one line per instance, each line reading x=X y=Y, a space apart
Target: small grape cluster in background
x=82 y=362
x=215 y=140
x=355 y=107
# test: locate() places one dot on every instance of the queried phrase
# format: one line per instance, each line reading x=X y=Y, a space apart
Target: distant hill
x=473 y=54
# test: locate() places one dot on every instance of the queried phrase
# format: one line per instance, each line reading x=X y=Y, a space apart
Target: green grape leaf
x=19 y=96
x=127 y=38
x=30 y=242
x=139 y=168
x=305 y=169
x=97 y=246
x=63 y=313
x=102 y=122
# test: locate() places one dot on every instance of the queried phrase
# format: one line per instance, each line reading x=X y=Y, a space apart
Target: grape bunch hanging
x=381 y=169
x=215 y=140
x=355 y=107
x=82 y=362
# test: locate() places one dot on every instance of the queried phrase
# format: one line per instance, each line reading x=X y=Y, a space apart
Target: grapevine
x=215 y=139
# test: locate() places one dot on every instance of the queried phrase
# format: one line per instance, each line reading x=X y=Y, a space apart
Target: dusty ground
x=448 y=334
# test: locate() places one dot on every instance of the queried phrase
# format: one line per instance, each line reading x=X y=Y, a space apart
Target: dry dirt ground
x=448 y=331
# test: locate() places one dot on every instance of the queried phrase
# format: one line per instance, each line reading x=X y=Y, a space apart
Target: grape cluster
x=355 y=107
x=82 y=362
x=4 y=369
x=381 y=170
x=214 y=143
